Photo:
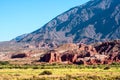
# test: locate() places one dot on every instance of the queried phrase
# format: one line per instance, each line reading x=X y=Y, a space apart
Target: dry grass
x=57 y=74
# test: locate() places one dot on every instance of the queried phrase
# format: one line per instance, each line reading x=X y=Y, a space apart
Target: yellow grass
x=18 y=74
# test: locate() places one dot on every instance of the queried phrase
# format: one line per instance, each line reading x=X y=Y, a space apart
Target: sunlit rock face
x=101 y=53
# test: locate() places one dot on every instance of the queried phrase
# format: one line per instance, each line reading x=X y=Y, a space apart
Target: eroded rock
x=104 y=53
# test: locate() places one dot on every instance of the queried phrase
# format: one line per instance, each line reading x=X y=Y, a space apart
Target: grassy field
x=59 y=72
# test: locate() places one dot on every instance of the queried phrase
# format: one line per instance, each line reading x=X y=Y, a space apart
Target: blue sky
x=18 y=17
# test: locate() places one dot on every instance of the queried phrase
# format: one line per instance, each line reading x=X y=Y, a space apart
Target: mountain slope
x=97 y=20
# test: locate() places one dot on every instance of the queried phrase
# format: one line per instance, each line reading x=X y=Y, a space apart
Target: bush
x=94 y=67
x=46 y=73
x=107 y=68
x=115 y=63
x=35 y=67
x=16 y=74
x=4 y=62
x=68 y=77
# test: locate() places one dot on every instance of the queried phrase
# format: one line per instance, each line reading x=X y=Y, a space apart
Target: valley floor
x=66 y=72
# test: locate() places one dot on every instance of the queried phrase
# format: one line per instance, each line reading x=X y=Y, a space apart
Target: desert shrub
x=114 y=63
x=35 y=67
x=42 y=67
x=46 y=73
x=68 y=77
x=4 y=62
x=36 y=78
x=107 y=68
x=54 y=64
x=1 y=67
x=16 y=74
x=94 y=67
x=95 y=77
x=117 y=78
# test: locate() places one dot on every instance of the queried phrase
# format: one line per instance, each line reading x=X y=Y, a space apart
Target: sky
x=19 y=17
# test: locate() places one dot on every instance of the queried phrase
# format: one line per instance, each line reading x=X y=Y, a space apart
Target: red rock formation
x=104 y=53
x=88 y=49
x=69 y=55
x=110 y=49
x=51 y=56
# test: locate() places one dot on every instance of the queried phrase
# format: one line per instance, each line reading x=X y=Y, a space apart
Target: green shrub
x=46 y=73
x=4 y=62
x=107 y=68
x=35 y=67
x=115 y=63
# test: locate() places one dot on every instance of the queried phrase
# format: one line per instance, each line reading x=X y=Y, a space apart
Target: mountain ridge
x=94 y=21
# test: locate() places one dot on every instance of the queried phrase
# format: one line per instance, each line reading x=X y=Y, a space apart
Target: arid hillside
x=99 y=53
x=94 y=21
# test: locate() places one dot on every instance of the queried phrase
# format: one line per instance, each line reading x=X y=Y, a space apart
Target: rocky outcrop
x=51 y=56
x=104 y=53
x=76 y=55
x=110 y=49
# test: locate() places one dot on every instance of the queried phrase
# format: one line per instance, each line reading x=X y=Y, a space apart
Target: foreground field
x=59 y=72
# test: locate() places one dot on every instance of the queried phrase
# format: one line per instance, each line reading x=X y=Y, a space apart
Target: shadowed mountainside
x=97 y=20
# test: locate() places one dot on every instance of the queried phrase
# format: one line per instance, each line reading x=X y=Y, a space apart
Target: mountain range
x=94 y=21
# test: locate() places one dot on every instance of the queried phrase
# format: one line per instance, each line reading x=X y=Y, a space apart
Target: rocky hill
x=102 y=53
x=70 y=53
x=97 y=20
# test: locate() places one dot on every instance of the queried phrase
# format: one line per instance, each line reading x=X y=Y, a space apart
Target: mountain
x=19 y=38
x=97 y=20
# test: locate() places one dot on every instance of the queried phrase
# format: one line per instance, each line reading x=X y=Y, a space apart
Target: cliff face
x=97 y=20
x=103 y=53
